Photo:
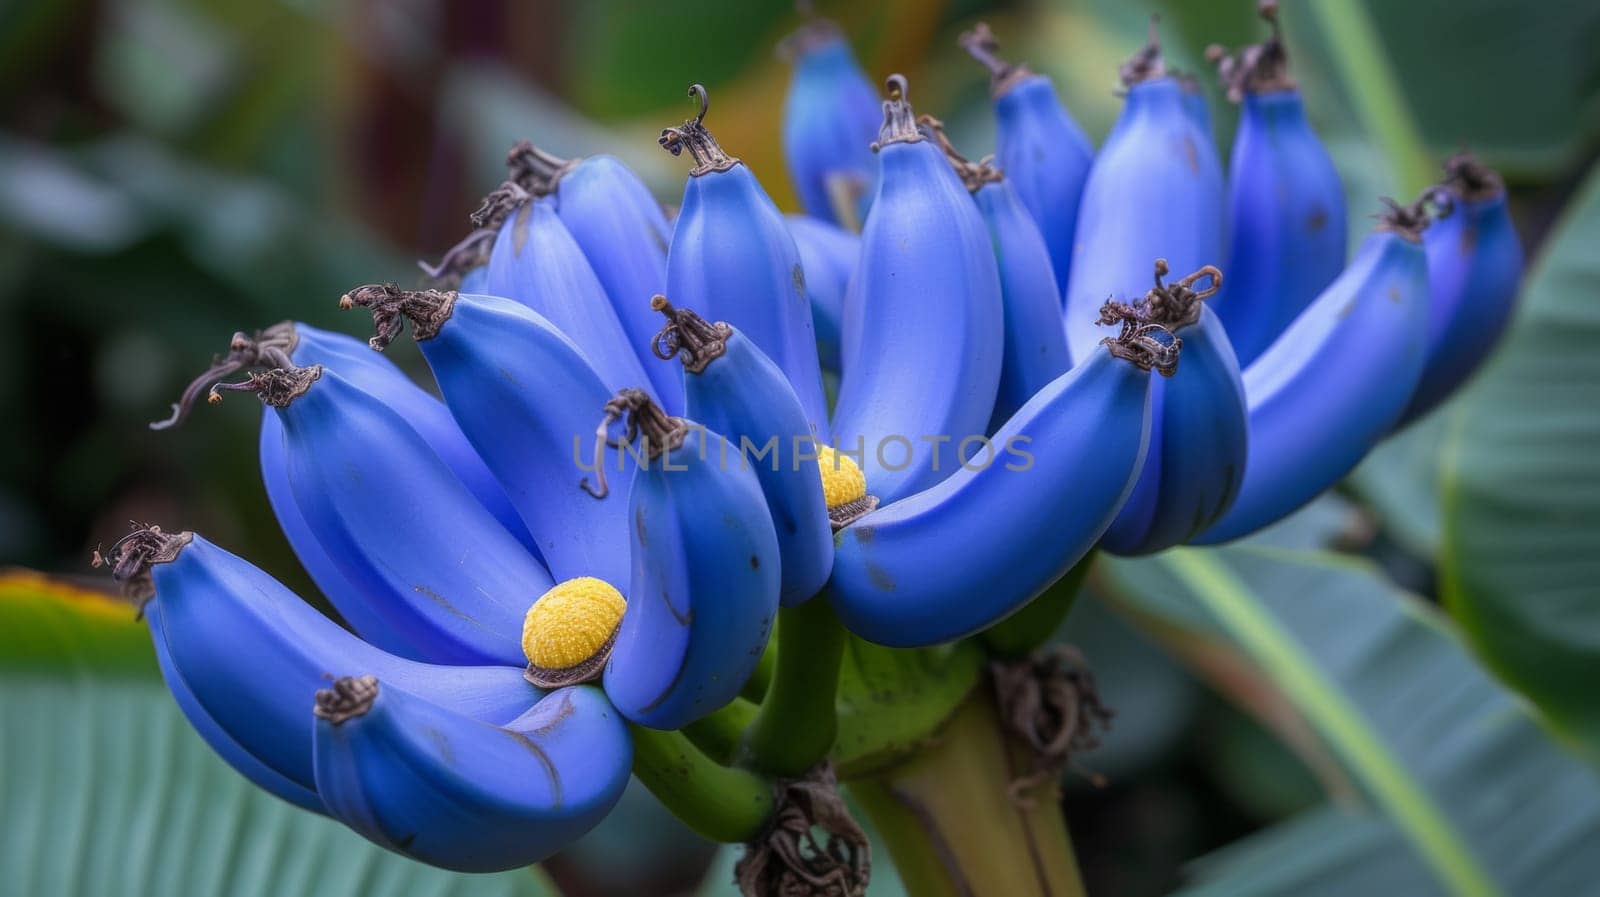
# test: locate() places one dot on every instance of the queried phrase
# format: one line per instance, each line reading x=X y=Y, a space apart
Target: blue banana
x=1337 y=379
x=387 y=510
x=620 y=227
x=1035 y=347
x=1474 y=268
x=251 y=653
x=735 y=390
x=291 y=344
x=1155 y=191
x=923 y=336
x=828 y=254
x=535 y=261
x=217 y=738
x=1199 y=425
x=525 y=396
x=1286 y=204
x=476 y=280
x=829 y=118
x=429 y=783
x=1194 y=103
x=1043 y=152
x=733 y=259
x=956 y=558
x=705 y=574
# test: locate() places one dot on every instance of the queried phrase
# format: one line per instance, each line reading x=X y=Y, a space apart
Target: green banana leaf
x=1522 y=488
x=1454 y=788
x=105 y=789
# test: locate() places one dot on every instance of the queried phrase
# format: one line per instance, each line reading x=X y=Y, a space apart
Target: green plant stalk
x=1374 y=91
x=718 y=802
x=951 y=826
x=719 y=735
x=797 y=723
x=1025 y=631
x=1340 y=722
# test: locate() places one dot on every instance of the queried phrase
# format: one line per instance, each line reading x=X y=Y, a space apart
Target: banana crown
x=688 y=337
x=974 y=175
x=350 y=697
x=1470 y=179
x=899 y=119
x=692 y=135
x=531 y=172
x=1148 y=64
x=1408 y=221
x=844 y=486
x=1173 y=306
x=1257 y=68
x=641 y=417
x=1141 y=342
x=981 y=44
x=131 y=558
x=391 y=307
x=568 y=632
x=269 y=348
x=536 y=170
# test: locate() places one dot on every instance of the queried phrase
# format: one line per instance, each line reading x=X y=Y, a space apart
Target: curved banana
x=1035 y=347
x=1155 y=191
x=424 y=781
x=217 y=738
x=620 y=227
x=1286 y=207
x=736 y=391
x=1199 y=425
x=956 y=558
x=732 y=259
x=386 y=509
x=526 y=398
x=1044 y=154
x=829 y=118
x=705 y=571
x=536 y=262
x=1474 y=269
x=828 y=254
x=923 y=336
x=251 y=653
x=294 y=344
x=1337 y=380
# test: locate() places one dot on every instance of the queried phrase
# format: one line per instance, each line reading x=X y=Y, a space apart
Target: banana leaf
x=1441 y=781
x=1521 y=503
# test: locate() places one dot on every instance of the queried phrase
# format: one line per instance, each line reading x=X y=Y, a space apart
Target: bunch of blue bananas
x=591 y=537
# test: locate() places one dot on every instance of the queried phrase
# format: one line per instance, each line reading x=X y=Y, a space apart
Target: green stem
x=1373 y=89
x=951 y=825
x=723 y=804
x=719 y=735
x=797 y=723
x=1028 y=629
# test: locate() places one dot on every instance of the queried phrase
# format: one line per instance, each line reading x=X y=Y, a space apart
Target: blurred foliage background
x=174 y=170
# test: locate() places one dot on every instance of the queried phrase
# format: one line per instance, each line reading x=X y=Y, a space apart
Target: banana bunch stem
x=796 y=725
x=722 y=803
x=951 y=824
x=720 y=773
